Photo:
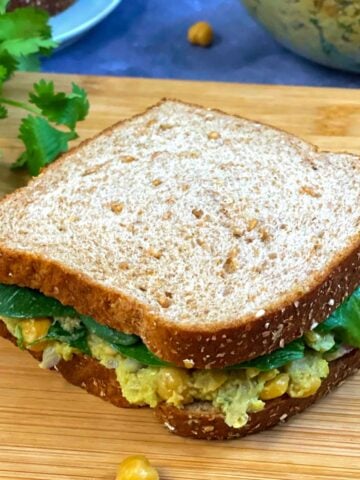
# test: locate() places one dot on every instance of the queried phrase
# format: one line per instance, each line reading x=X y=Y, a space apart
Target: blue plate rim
x=83 y=27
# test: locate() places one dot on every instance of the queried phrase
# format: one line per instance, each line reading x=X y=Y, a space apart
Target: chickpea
x=304 y=390
x=34 y=329
x=136 y=467
x=252 y=372
x=276 y=387
x=212 y=380
x=173 y=382
x=201 y=34
x=269 y=375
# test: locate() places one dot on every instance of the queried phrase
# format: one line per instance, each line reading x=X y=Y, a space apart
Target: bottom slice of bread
x=199 y=420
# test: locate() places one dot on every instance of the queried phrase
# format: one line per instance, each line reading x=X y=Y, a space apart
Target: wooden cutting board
x=52 y=430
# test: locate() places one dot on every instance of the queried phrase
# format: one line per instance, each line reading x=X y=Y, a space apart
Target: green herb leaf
x=3 y=112
x=43 y=143
x=25 y=31
x=61 y=108
x=31 y=63
x=108 y=334
x=24 y=35
x=19 y=302
x=3 y=73
x=76 y=339
x=8 y=66
x=293 y=351
x=19 y=47
x=345 y=321
x=3 y=5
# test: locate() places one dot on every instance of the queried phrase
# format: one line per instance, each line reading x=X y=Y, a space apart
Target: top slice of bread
x=214 y=238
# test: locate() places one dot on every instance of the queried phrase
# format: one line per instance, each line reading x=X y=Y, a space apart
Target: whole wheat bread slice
x=214 y=238
x=199 y=420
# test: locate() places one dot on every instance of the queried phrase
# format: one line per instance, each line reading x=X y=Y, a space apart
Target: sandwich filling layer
x=42 y=324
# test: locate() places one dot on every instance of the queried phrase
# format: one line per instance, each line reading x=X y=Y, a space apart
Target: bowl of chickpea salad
x=325 y=31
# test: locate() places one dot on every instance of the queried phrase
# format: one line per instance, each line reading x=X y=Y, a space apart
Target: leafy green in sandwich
x=296 y=370
x=342 y=327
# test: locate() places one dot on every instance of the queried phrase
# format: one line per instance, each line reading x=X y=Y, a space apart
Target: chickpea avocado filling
x=43 y=324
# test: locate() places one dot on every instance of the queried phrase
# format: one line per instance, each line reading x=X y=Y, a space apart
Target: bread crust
x=204 y=347
x=199 y=420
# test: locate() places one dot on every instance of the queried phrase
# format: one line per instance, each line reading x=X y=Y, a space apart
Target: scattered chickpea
x=136 y=467
x=201 y=33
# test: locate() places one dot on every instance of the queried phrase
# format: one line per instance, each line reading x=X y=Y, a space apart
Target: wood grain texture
x=51 y=430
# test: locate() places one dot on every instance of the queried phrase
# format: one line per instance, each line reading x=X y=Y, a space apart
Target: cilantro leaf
x=30 y=63
x=24 y=35
x=24 y=23
x=43 y=143
x=3 y=5
x=3 y=112
x=8 y=65
x=18 y=47
x=23 y=32
x=79 y=97
x=3 y=73
x=60 y=108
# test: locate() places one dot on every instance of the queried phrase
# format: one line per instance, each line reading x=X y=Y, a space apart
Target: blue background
x=147 y=38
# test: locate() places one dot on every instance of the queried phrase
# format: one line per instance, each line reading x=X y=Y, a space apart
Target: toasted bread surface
x=199 y=420
x=214 y=238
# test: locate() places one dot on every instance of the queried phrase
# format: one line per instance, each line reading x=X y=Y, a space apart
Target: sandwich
x=198 y=263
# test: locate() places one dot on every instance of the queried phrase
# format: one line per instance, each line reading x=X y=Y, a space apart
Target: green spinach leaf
x=141 y=353
x=19 y=302
x=76 y=339
x=293 y=351
x=108 y=334
x=345 y=321
x=128 y=345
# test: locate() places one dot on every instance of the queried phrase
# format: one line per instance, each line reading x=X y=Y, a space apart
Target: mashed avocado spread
x=297 y=370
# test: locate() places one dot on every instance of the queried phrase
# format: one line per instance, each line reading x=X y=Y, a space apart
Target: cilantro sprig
x=25 y=35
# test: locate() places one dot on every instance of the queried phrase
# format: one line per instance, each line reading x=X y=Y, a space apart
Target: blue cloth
x=147 y=38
